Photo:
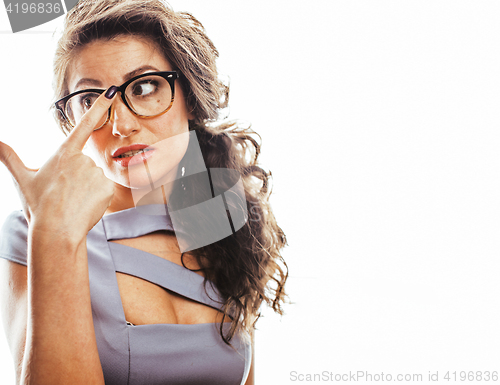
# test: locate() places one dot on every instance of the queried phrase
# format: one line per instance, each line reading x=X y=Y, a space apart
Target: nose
x=122 y=120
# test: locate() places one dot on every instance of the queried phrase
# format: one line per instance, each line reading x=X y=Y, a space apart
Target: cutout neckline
x=132 y=223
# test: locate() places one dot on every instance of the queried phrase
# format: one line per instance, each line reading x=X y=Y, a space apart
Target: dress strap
x=134 y=222
x=164 y=273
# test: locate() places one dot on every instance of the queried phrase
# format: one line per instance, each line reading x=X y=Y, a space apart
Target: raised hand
x=69 y=193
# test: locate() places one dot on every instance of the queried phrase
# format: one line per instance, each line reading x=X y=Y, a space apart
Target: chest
x=169 y=343
x=147 y=303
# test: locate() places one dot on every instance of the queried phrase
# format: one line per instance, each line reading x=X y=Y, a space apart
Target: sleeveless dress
x=145 y=354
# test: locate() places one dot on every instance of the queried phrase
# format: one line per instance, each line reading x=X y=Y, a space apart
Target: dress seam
x=128 y=337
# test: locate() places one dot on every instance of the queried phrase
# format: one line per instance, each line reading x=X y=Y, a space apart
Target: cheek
x=180 y=145
x=162 y=167
x=171 y=124
x=170 y=151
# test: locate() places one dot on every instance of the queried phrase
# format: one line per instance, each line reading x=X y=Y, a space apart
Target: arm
x=48 y=304
x=59 y=315
x=250 y=378
x=46 y=308
x=13 y=306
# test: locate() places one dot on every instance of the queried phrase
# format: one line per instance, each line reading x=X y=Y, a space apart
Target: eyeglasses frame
x=169 y=76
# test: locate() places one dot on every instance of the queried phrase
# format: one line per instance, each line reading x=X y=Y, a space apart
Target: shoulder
x=13 y=238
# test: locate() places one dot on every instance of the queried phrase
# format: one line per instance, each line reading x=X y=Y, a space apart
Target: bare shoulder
x=251 y=374
x=13 y=307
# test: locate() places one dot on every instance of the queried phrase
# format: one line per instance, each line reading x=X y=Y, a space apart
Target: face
x=101 y=64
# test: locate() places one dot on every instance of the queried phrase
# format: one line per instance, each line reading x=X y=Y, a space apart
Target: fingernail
x=111 y=92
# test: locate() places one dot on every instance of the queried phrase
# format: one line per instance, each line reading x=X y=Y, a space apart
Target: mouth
x=128 y=151
x=130 y=155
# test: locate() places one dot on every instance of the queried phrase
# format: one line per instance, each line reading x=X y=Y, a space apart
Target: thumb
x=13 y=163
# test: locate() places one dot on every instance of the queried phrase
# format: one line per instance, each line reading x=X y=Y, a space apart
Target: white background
x=380 y=123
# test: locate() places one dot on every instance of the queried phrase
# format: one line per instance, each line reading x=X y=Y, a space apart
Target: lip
x=121 y=150
x=136 y=159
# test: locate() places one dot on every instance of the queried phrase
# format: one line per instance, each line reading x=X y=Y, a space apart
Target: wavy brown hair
x=246 y=267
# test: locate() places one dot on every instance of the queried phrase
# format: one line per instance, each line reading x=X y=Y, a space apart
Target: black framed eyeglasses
x=147 y=96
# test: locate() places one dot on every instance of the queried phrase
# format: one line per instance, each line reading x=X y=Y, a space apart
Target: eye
x=87 y=100
x=144 y=88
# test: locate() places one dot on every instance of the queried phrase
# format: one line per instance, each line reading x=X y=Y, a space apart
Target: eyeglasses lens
x=79 y=104
x=147 y=96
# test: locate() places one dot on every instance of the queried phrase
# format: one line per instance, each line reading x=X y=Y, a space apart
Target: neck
x=124 y=198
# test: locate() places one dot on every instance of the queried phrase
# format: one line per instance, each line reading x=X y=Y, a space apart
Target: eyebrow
x=97 y=83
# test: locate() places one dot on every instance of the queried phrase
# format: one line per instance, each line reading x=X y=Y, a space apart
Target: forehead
x=104 y=63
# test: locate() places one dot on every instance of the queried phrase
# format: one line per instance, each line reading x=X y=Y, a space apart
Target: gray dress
x=144 y=354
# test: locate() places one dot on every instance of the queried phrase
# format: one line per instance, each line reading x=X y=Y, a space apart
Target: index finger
x=81 y=133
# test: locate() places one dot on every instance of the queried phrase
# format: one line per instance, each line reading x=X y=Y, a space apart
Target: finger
x=81 y=133
x=13 y=163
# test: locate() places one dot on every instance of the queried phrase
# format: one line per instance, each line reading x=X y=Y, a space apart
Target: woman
x=104 y=285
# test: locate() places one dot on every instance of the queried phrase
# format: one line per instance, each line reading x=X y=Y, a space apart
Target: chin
x=141 y=181
x=137 y=184
x=140 y=185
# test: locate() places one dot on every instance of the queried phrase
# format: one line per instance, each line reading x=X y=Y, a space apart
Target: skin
x=46 y=305
x=117 y=59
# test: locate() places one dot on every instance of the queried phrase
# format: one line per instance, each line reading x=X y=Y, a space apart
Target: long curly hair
x=245 y=267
